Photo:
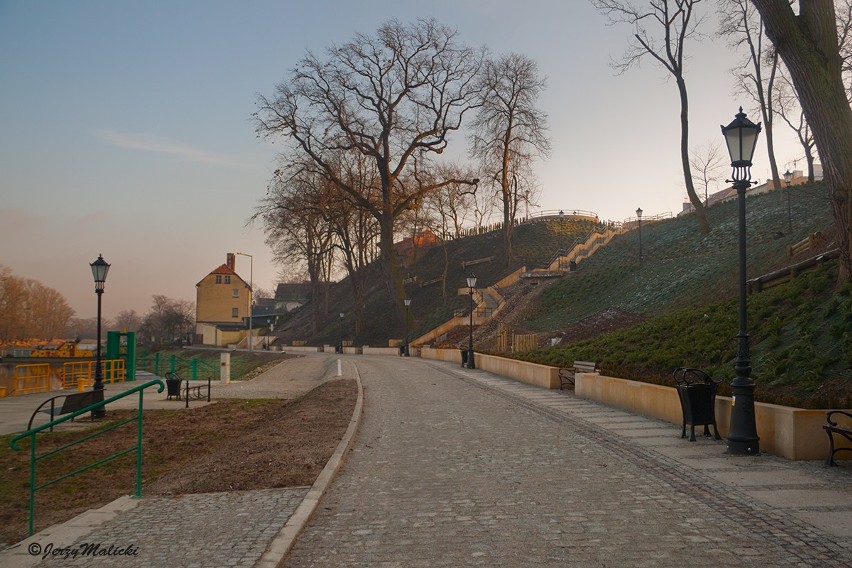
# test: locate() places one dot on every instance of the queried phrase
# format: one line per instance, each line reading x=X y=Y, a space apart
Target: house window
x=227 y=279
x=235 y=312
x=236 y=292
x=218 y=279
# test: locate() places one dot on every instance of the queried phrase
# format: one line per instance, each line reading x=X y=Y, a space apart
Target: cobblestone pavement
x=457 y=467
x=489 y=472
x=207 y=530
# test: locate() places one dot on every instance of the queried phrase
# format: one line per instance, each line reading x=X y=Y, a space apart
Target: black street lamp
x=741 y=138
x=407 y=319
x=639 y=216
x=561 y=248
x=100 y=268
x=340 y=343
x=471 y=284
x=788 y=177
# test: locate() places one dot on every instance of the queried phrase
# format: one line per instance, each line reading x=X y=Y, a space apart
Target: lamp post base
x=470 y=363
x=742 y=438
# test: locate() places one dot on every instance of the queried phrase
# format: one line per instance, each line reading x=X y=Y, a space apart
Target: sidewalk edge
x=283 y=542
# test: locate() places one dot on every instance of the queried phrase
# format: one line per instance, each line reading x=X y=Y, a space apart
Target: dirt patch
x=231 y=445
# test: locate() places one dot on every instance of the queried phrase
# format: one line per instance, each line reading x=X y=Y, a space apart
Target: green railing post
x=172 y=363
x=32 y=432
x=138 y=492
x=157 y=363
x=194 y=368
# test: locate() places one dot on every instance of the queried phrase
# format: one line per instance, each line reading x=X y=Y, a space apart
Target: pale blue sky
x=125 y=126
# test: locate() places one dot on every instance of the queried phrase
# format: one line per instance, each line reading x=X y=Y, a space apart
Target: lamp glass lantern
x=788 y=177
x=100 y=268
x=741 y=139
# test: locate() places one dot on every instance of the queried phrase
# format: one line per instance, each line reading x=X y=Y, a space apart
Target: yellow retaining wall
x=367 y=350
x=792 y=433
x=530 y=373
x=303 y=348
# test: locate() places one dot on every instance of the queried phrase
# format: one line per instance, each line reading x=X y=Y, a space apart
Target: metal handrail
x=31 y=433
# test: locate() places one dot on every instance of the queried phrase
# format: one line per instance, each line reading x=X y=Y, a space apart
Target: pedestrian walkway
x=458 y=467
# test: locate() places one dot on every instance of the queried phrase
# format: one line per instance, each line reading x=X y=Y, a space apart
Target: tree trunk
x=391 y=264
x=808 y=45
x=700 y=213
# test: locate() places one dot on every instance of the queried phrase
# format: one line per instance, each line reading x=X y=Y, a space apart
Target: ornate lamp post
x=639 y=216
x=741 y=138
x=471 y=284
x=788 y=177
x=340 y=343
x=100 y=268
x=407 y=320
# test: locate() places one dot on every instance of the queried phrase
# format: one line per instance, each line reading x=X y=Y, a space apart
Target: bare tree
x=168 y=321
x=662 y=29
x=756 y=73
x=509 y=132
x=844 y=40
x=792 y=114
x=297 y=230
x=129 y=320
x=30 y=310
x=390 y=97
x=707 y=162
x=808 y=44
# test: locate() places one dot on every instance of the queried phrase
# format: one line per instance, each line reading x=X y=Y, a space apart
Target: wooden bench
x=833 y=427
x=566 y=374
x=71 y=403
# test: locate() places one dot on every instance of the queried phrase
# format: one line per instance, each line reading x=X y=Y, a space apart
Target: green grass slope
x=685 y=293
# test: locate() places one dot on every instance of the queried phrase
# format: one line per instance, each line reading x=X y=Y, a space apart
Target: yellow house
x=222 y=305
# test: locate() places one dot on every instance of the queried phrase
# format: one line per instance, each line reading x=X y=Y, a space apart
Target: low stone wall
x=300 y=348
x=447 y=355
x=367 y=350
x=530 y=373
x=792 y=433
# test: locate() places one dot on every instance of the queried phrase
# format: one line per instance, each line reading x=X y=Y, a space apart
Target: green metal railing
x=198 y=368
x=34 y=457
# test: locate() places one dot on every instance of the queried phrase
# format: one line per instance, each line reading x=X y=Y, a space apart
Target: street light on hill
x=407 y=320
x=788 y=177
x=100 y=268
x=639 y=216
x=471 y=284
x=741 y=139
x=561 y=248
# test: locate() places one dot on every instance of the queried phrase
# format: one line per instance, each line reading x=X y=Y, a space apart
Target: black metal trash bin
x=172 y=386
x=697 y=393
x=464 y=357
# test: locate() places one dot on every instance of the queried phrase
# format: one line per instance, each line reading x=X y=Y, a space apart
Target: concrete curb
x=286 y=537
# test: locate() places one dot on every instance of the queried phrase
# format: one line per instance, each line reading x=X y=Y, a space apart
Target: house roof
x=223 y=269
x=293 y=291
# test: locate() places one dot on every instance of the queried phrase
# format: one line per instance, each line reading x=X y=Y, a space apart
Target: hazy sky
x=125 y=126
